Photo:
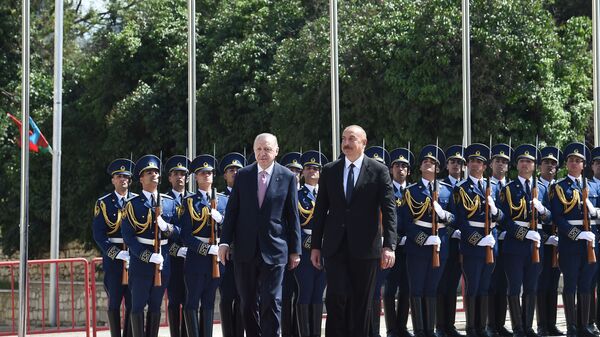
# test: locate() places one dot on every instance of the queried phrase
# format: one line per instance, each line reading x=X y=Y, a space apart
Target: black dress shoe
x=503 y=332
x=553 y=331
x=452 y=332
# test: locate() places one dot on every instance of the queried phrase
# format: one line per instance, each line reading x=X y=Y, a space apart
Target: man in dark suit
x=262 y=221
x=355 y=193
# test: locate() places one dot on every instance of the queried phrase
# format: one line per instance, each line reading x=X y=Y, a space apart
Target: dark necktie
x=480 y=186
x=350 y=183
x=153 y=201
x=431 y=188
x=527 y=188
x=577 y=183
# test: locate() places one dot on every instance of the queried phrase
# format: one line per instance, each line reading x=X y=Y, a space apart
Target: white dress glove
x=487 y=240
x=432 y=240
x=162 y=224
x=502 y=235
x=492 y=205
x=588 y=236
x=539 y=206
x=552 y=240
x=213 y=250
x=123 y=255
x=534 y=236
x=456 y=234
x=403 y=241
x=156 y=258
x=591 y=208
x=182 y=252
x=439 y=210
x=216 y=215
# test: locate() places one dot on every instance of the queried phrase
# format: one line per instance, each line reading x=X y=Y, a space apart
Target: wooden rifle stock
x=489 y=253
x=554 y=250
x=125 y=275
x=591 y=254
x=157 y=213
x=435 y=257
x=535 y=254
x=215 y=263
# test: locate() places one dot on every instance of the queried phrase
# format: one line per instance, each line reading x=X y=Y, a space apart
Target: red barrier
x=38 y=309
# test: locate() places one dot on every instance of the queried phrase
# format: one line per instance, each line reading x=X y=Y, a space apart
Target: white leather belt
x=203 y=239
x=480 y=224
x=116 y=240
x=307 y=231
x=427 y=224
x=151 y=241
x=527 y=224
x=580 y=222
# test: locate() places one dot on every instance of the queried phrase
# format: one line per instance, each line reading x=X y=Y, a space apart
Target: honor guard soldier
x=229 y=305
x=594 y=195
x=524 y=213
x=151 y=220
x=501 y=158
x=289 y=291
x=108 y=216
x=547 y=295
x=577 y=240
x=381 y=155
x=396 y=317
x=424 y=219
x=311 y=281
x=477 y=237
x=198 y=226
x=446 y=298
x=177 y=167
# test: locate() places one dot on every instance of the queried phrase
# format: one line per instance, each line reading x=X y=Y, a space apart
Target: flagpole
x=191 y=84
x=596 y=45
x=56 y=157
x=466 y=71
x=24 y=211
x=335 y=92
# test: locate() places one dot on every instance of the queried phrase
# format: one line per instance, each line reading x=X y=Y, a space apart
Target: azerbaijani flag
x=37 y=141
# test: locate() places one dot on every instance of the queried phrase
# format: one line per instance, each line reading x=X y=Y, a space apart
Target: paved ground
x=460 y=324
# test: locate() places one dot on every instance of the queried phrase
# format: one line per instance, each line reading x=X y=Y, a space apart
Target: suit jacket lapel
x=253 y=181
x=273 y=182
x=363 y=177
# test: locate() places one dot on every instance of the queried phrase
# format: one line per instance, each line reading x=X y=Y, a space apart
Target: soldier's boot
x=552 y=309
x=542 y=313
x=450 y=303
x=287 y=324
x=208 y=316
x=316 y=320
x=430 y=311
x=416 y=312
x=303 y=312
x=514 y=306
x=482 y=318
x=441 y=316
x=390 y=316
x=127 y=332
x=153 y=325
x=492 y=322
x=592 y=317
x=528 y=311
x=570 y=314
x=191 y=323
x=137 y=324
x=471 y=313
x=500 y=320
x=376 y=318
x=584 y=307
x=226 y=311
x=114 y=322
x=174 y=322
x=402 y=313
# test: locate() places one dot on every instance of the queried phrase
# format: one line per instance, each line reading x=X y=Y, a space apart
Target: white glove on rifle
x=534 y=236
x=588 y=236
x=162 y=224
x=216 y=215
x=440 y=211
x=213 y=250
x=456 y=234
x=432 y=240
x=591 y=208
x=492 y=204
x=539 y=206
x=552 y=240
x=123 y=255
x=182 y=252
x=487 y=240
x=156 y=258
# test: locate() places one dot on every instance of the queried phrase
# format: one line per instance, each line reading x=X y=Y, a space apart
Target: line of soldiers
x=501 y=236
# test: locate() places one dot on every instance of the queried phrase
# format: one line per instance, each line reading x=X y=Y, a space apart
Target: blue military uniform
x=471 y=217
x=381 y=155
x=567 y=207
x=289 y=289
x=446 y=297
x=498 y=286
x=547 y=296
x=522 y=241
x=196 y=229
x=311 y=281
x=417 y=216
x=229 y=305
x=176 y=287
x=106 y=230
x=138 y=232
x=396 y=282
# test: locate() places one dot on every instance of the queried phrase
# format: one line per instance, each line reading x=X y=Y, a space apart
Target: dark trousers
x=259 y=287
x=477 y=275
x=578 y=274
x=350 y=288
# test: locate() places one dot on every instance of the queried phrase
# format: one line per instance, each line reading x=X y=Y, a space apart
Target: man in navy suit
x=355 y=193
x=262 y=221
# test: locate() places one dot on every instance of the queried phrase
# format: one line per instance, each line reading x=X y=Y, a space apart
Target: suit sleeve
x=321 y=210
x=387 y=205
x=232 y=210
x=293 y=221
